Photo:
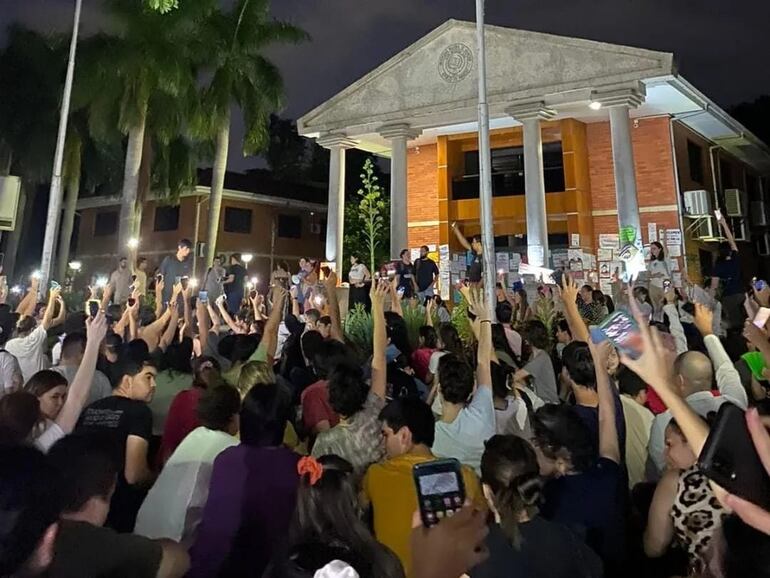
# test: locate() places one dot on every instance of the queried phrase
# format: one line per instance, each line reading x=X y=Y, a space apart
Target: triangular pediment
x=438 y=75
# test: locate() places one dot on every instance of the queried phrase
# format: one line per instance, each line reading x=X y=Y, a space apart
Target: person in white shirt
x=465 y=425
x=174 y=506
x=29 y=343
x=696 y=376
x=633 y=396
x=120 y=281
x=659 y=274
x=72 y=351
x=10 y=372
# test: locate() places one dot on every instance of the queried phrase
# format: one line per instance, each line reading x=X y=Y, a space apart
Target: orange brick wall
x=422 y=195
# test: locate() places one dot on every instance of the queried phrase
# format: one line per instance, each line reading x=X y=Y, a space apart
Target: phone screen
x=440 y=489
x=622 y=330
x=93 y=308
x=760 y=319
x=203 y=296
x=759 y=284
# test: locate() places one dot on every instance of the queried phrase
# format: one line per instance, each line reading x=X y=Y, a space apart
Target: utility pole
x=55 y=198
x=485 y=166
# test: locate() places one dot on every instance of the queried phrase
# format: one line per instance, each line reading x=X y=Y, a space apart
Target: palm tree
x=241 y=75
x=152 y=57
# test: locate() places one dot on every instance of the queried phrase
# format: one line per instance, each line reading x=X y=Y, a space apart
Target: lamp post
x=485 y=165
x=75 y=266
x=55 y=198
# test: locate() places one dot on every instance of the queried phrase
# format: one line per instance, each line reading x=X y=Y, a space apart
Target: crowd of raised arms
x=215 y=431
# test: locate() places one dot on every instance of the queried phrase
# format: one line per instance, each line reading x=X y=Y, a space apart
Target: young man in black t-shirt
x=405 y=275
x=126 y=419
x=476 y=267
x=234 y=283
x=426 y=271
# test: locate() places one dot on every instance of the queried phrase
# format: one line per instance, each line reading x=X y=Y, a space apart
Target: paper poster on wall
x=673 y=264
x=608 y=240
x=674 y=250
x=676 y=279
x=575 y=240
x=605 y=286
x=604 y=254
x=616 y=266
x=502 y=261
x=414 y=254
x=673 y=237
x=662 y=236
x=652 y=232
x=573 y=254
x=604 y=269
x=432 y=248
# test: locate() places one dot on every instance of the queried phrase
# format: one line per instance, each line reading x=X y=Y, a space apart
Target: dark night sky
x=721 y=46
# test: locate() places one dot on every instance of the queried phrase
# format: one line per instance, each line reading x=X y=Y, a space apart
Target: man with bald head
x=695 y=374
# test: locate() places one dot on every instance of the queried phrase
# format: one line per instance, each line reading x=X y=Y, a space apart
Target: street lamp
x=247 y=258
x=133 y=243
x=76 y=266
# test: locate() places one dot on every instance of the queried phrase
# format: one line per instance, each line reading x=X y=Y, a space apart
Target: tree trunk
x=128 y=207
x=68 y=219
x=23 y=216
x=217 y=185
x=144 y=187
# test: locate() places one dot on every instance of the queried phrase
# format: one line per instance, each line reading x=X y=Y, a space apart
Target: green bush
x=359 y=329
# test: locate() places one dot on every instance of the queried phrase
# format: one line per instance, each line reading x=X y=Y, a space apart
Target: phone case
x=730 y=459
x=444 y=501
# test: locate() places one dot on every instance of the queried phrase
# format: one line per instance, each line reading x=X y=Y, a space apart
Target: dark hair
x=29 y=504
x=140 y=260
x=598 y=296
x=725 y=250
x=236 y=256
x=563 y=326
x=642 y=294
x=500 y=340
x=500 y=373
x=130 y=362
x=310 y=342
x=44 y=381
x=661 y=255
x=504 y=312
x=217 y=406
x=747 y=550
x=347 y=389
x=19 y=412
x=609 y=303
x=327 y=514
x=25 y=324
x=429 y=337
x=112 y=340
x=177 y=356
x=476 y=239
x=630 y=383
x=325 y=320
x=455 y=376
x=74 y=344
x=264 y=413
x=75 y=323
x=412 y=414
x=87 y=466
x=327 y=356
x=450 y=339
x=398 y=332
x=185 y=243
x=206 y=372
x=244 y=347
x=6 y=323
x=427 y=249
x=536 y=334
x=578 y=362
x=509 y=467
x=587 y=287
x=312 y=315
x=401 y=254
x=559 y=432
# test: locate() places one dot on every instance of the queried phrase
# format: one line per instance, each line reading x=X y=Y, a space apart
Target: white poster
x=575 y=240
x=414 y=254
x=445 y=276
x=608 y=240
x=673 y=237
x=673 y=264
x=432 y=248
x=502 y=260
x=604 y=254
x=605 y=286
x=674 y=250
x=652 y=232
x=604 y=269
x=676 y=279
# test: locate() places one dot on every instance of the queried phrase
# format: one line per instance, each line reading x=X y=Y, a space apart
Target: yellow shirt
x=389 y=487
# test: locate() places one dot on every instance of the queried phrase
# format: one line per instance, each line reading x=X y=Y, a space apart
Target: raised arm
x=675 y=324
x=62 y=314
x=204 y=323
x=170 y=331
x=120 y=326
x=106 y=296
x=728 y=233
x=395 y=298
x=187 y=311
x=27 y=305
x=609 y=447
x=460 y=237
x=379 y=365
x=159 y=285
x=429 y=312
x=78 y=390
x=569 y=292
x=270 y=333
x=226 y=317
x=483 y=322
x=53 y=296
x=334 y=307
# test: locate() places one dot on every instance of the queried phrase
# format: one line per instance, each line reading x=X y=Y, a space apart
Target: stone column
x=335 y=216
x=398 y=134
x=619 y=103
x=530 y=116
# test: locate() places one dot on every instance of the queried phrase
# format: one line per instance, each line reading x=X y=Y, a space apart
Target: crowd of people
x=223 y=432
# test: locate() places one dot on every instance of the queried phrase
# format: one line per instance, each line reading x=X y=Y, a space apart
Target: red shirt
x=181 y=420
x=316 y=407
x=420 y=362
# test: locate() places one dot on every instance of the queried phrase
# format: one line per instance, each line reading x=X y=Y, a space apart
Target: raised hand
x=569 y=289
x=477 y=304
x=96 y=328
x=331 y=280
x=755 y=335
x=704 y=319
x=378 y=292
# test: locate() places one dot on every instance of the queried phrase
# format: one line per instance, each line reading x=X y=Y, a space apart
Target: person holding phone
x=660 y=275
x=727 y=274
x=177 y=265
x=405 y=278
x=120 y=281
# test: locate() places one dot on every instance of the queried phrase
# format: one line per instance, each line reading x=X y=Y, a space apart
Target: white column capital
x=339 y=140
x=536 y=110
x=630 y=96
x=403 y=130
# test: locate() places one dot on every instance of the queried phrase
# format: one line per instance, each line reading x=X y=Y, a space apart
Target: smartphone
x=93 y=308
x=730 y=459
x=158 y=277
x=131 y=301
x=623 y=331
x=253 y=294
x=759 y=284
x=666 y=284
x=760 y=319
x=440 y=489
x=185 y=281
x=55 y=284
x=401 y=292
x=203 y=296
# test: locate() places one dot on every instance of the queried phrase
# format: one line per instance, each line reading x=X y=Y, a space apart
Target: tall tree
x=154 y=55
x=241 y=75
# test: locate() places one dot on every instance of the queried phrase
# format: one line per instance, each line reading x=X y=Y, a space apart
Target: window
x=237 y=220
x=289 y=226
x=695 y=160
x=106 y=223
x=508 y=172
x=726 y=175
x=166 y=218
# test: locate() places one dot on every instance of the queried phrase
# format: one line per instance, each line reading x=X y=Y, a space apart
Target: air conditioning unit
x=758 y=214
x=315 y=228
x=703 y=229
x=763 y=245
x=697 y=203
x=736 y=203
x=740 y=230
x=10 y=187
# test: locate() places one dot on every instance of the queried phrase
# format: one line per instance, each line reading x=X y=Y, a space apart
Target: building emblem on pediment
x=455 y=62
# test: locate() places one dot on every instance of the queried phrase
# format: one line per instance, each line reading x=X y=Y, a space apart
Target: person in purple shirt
x=252 y=494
